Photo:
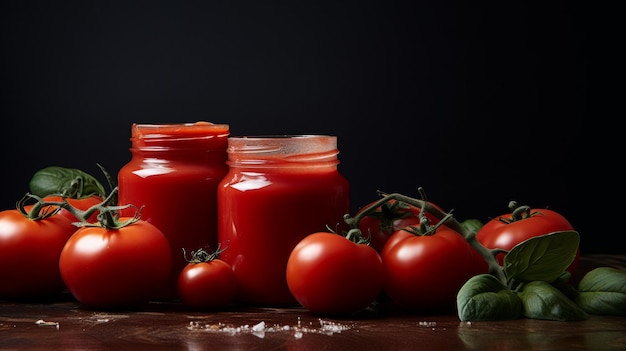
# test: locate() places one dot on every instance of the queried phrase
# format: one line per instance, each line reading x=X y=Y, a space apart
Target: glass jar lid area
x=285 y=149
x=182 y=135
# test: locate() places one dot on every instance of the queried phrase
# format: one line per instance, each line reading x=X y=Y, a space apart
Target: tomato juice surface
x=278 y=191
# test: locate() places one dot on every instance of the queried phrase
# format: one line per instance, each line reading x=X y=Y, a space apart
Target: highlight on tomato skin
x=116 y=268
x=329 y=274
x=425 y=272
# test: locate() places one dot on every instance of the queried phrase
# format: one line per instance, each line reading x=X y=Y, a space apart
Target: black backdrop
x=479 y=104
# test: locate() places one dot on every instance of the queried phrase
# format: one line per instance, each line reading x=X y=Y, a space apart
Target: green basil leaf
x=69 y=182
x=541 y=300
x=485 y=298
x=603 y=291
x=563 y=284
x=542 y=258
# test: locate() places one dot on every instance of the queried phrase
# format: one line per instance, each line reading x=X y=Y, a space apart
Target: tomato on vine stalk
x=121 y=262
x=30 y=245
x=522 y=223
x=206 y=282
x=538 y=250
x=379 y=222
x=81 y=204
x=333 y=274
x=425 y=265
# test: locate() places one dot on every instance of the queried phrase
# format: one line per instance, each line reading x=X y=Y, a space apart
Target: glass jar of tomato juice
x=173 y=173
x=278 y=190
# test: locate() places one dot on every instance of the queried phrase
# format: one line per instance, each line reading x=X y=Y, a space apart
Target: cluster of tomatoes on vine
x=66 y=234
x=421 y=258
x=408 y=252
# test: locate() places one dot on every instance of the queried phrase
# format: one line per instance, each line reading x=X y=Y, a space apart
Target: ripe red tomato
x=81 y=204
x=209 y=284
x=504 y=232
x=110 y=268
x=389 y=217
x=29 y=254
x=425 y=272
x=329 y=274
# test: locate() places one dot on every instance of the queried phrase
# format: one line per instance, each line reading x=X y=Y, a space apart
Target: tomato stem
x=84 y=215
x=518 y=213
x=201 y=255
x=40 y=209
x=108 y=216
x=356 y=236
x=112 y=182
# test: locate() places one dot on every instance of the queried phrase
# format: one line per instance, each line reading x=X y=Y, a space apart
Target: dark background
x=479 y=104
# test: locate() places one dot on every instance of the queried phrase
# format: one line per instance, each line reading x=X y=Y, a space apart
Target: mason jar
x=278 y=190
x=173 y=176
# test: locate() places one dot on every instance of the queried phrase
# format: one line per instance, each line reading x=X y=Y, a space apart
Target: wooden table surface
x=63 y=324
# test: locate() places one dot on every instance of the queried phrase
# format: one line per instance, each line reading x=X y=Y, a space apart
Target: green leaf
x=603 y=291
x=562 y=283
x=542 y=258
x=484 y=298
x=69 y=182
x=541 y=300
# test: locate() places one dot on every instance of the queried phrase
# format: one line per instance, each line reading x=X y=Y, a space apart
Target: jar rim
x=285 y=149
x=155 y=137
x=281 y=136
x=179 y=130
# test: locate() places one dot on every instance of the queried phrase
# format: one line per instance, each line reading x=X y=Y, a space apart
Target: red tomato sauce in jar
x=278 y=190
x=173 y=173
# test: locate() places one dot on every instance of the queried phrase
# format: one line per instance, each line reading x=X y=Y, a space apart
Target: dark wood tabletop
x=62 y=324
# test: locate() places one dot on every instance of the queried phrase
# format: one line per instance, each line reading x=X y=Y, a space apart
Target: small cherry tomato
x=206 y=282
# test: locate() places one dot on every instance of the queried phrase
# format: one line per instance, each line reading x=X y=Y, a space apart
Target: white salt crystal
x=259 y=327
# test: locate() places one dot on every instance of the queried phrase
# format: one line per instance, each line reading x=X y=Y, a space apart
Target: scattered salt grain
x=44 y=323
x=260 y=329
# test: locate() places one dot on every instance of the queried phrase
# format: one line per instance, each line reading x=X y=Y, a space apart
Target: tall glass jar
x=173 y=173
x=278 y=190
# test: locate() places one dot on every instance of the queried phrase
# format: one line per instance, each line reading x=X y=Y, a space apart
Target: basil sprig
x=67 y=182
x=536 y=285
